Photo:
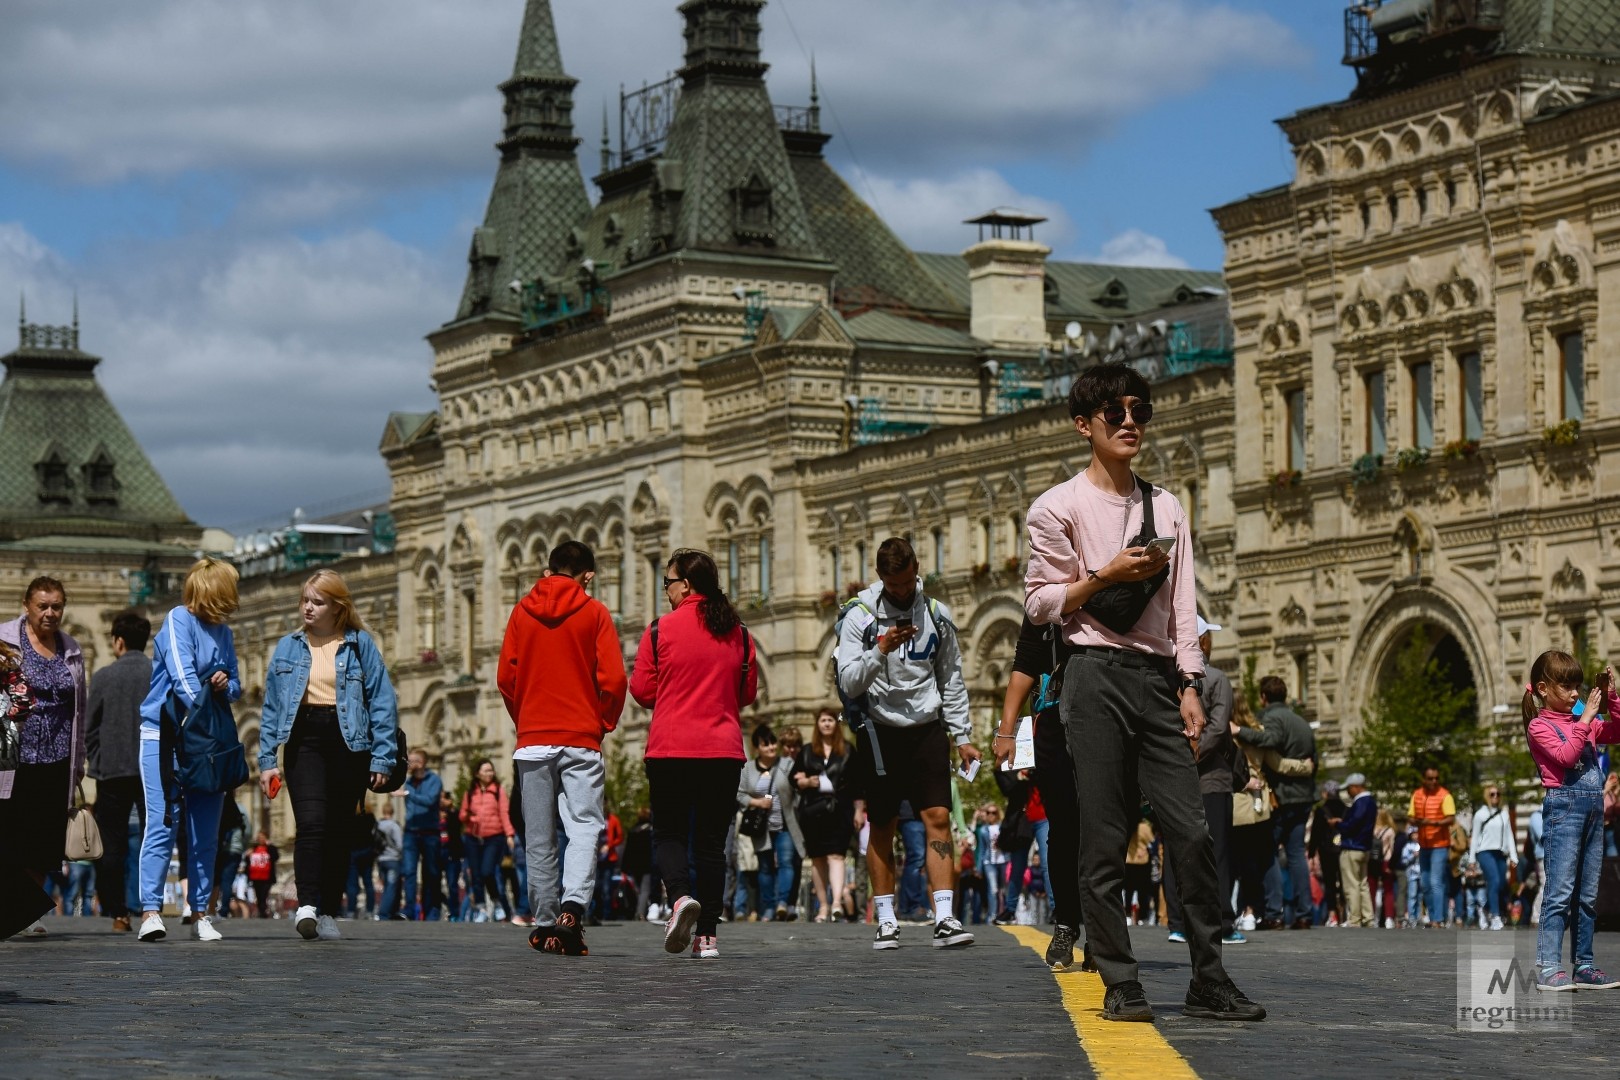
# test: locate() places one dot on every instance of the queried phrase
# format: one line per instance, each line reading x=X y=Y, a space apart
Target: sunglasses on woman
x=1114 y=415
x=672 y=580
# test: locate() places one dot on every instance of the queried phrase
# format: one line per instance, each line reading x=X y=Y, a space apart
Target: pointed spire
x=815 y=97
x=607 y=152
x=538 y=56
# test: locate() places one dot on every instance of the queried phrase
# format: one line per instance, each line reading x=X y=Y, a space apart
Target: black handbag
x=1120 y=605
x=756 y=822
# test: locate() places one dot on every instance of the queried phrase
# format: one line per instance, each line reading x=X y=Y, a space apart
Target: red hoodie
x=561 y=670
x=694 y=686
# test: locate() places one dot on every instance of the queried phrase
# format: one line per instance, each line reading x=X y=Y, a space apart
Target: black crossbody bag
x=1120 y=605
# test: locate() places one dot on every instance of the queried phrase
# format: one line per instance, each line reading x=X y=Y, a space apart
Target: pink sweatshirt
x=1076 y=527
x=1557 y=740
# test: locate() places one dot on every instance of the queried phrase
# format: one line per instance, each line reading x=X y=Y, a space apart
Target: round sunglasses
x=1114 y=415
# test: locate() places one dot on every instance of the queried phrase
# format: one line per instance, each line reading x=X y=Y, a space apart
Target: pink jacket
x=1557 y=740
x=484 y=812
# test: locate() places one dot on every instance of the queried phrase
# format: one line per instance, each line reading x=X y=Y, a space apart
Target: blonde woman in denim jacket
x=328 y=699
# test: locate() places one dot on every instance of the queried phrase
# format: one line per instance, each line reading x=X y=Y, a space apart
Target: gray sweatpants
x=568 y=788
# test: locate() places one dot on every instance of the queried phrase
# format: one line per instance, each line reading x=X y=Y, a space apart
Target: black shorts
x=917 y=767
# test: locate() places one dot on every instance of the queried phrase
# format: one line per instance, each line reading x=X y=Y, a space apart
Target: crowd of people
x=1143 y=793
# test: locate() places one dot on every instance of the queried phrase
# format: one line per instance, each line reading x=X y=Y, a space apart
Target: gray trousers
x=1123 y=722
x=565 y=788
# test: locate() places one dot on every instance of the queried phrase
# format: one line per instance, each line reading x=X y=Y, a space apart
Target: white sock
x=944 y=904
x=885 y=908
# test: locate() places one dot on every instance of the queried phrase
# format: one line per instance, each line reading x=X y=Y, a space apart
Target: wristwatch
x=1195 y=683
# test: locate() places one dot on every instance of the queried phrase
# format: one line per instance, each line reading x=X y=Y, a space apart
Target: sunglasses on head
x=1114 y=415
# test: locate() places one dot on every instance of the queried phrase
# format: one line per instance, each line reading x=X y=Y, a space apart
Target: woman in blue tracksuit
x=328 y=700
x=194 y=638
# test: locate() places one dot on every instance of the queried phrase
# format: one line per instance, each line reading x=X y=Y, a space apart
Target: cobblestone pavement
x=402 y=999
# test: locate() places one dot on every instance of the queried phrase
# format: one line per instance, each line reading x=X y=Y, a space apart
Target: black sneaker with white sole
x=948 y=933
x=1060 y=953
x=1220 y=1001
x=888 y=936
x=1127 y=1001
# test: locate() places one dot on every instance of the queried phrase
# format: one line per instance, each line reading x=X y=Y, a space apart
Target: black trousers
x=1054 y=777
x=114 y=800
x=693 y=801
x=1124 y=727
x=1218 y=815
x=325 y=780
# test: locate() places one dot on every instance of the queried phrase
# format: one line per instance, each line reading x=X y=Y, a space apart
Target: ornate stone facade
x=1426 y=338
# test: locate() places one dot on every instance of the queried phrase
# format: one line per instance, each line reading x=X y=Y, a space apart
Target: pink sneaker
x=705 y=947
x=682 y=918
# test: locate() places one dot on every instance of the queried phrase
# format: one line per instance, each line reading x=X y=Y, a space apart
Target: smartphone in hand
x=1162 y=543
x=275 y=785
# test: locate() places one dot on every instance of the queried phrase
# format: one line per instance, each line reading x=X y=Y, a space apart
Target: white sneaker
x=480 y=916
x=326 y=928
x=202 y=928
x=1496 y=922
x=152 y=928
x=1248 y=922
x=678 y=930
x=304 y=922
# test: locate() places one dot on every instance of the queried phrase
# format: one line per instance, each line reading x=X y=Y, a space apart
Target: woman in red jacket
x=486 y=833
x=696 y=670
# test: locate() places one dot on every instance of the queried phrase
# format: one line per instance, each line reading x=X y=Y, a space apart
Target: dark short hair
x=134 y=628
x=1097 y=386
x=1273 y=689
x=762 y=735
x=44 y=584
x=894 y=556
x=572 y=557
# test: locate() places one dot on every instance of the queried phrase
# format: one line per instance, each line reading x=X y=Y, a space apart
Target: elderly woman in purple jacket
x=33 y=818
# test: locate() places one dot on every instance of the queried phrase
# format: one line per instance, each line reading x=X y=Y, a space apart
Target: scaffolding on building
x=874 y=425
x=1013 y=394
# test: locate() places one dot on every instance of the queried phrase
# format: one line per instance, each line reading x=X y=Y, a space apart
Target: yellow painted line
x=1117 y=1051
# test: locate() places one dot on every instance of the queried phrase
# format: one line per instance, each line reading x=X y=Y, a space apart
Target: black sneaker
x=1127 y=1001
x=888 y=936
x=1220 y=1001
x=1004 y=918
x=1088 y=964
x=949 y=933
x=1060 y=953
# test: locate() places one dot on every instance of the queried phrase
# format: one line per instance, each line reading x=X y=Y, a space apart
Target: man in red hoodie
x=562 y=678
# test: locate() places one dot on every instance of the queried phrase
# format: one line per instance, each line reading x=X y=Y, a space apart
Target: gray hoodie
x=904 y=688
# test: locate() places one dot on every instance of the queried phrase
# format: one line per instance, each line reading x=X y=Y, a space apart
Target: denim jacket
x=367 y=712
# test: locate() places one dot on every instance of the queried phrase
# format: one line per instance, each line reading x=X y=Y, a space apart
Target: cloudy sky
x=264 y=205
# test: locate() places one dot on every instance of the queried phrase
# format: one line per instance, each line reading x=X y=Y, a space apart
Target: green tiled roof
x=95 y=545
x=1081 y=290
x=885 y=328
x=51 y=404
x=405 y=426
x=1591 y=26
x=874 y=267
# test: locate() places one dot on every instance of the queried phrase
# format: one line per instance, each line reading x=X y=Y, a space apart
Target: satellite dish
x=1116 y=337
x=1072 y=331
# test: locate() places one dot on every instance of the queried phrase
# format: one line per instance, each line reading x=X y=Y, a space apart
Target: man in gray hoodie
x=112 y=734
x=899 y=663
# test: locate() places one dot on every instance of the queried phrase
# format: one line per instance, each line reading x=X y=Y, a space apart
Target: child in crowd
x=1564 y=734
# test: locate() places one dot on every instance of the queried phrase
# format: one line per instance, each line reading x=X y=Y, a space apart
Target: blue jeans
x=1288 y=829
x=81 y=885
x=452 y=885
x=422 y=849
x=786 y=857
x=1494 y=863
x=912 y=898
x=484 y=855
x=1436 y=868
x=1573 y=840
x=1018 y=862
x=1043 y=827
x=360 y=863
x=389 y=868
x=747 y=882
x=1414 y=891
x=163 y=813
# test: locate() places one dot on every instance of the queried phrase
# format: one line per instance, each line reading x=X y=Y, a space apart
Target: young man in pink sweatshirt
x=1110 y=559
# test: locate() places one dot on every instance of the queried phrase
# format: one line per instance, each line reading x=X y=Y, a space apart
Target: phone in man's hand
x=903 y=623
x=1162 y=543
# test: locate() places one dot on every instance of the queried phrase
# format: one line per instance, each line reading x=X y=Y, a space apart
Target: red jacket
x=484 y=812
x=613 y=838
x=694 y=687
x=561 y=672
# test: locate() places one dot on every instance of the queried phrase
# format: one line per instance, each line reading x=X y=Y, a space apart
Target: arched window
x=987 y=541
x=762 y=573
x=939 y=550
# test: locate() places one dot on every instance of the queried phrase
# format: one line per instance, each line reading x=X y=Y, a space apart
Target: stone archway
x=1454 y=640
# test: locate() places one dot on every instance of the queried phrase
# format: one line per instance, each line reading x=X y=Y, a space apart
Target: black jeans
x=693 y=801
x=1218 y=815
x=114 y=800
x=1124 y=728
x=325 y=780
x=1054 y=777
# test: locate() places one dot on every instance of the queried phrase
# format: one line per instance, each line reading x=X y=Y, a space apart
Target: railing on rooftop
x=1372 y=26
x=645 y=117
x=799 y=118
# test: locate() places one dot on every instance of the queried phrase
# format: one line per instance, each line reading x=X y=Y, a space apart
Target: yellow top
x=322 y=689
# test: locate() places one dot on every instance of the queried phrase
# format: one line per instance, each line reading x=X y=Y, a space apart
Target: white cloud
x=928 y=213
x=391 y=92
x=1133 y=247
x=257 y=377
